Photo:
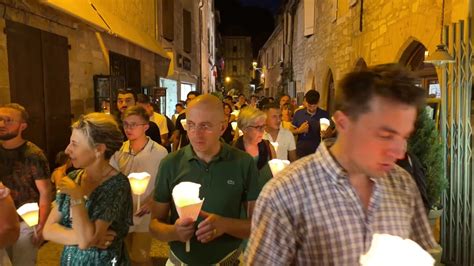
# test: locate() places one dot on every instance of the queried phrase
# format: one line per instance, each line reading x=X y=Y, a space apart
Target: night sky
x=253 y=18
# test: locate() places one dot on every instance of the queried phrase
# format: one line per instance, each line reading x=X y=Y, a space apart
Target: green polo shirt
x=230 y=179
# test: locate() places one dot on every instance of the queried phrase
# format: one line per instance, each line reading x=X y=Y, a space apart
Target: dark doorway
x=39 y=80
x=127 y=68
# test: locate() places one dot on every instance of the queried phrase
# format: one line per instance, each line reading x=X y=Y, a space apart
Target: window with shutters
x=186 y=31
x=168 y=19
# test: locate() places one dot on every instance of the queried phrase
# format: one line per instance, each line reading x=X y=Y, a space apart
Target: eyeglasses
x=131 y=125
x=259 y=128
x=8 y=120
x=201 y=127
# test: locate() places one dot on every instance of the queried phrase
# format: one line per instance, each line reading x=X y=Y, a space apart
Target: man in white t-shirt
x=159 y=119
x=281 y=139
x=139 y=154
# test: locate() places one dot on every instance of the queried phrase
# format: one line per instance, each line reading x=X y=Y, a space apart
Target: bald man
x=218 y=232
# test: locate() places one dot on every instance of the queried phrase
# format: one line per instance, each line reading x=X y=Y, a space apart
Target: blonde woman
x=252 y=122
x=93 y=209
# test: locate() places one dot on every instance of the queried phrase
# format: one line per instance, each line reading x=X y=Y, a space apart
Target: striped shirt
x=310 y=214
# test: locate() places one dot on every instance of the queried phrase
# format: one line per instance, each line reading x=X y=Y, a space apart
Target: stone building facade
x=270 y=58
x=237 y=53
x=128 y=40
x=322 y=44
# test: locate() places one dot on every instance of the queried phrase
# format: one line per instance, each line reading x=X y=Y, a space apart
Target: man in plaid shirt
x=325 y=208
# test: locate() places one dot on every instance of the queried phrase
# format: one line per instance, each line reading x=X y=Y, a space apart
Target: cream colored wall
x=389 y=27
x=85 y=56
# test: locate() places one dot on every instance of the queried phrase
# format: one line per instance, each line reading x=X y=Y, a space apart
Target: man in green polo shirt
x=228 y=179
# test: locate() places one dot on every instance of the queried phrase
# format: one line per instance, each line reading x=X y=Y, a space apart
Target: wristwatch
x=4 y=191
x=75 y=202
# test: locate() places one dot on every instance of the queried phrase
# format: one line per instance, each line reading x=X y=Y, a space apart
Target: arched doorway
x=413 y=57
x=360 y=65
x=331 y=93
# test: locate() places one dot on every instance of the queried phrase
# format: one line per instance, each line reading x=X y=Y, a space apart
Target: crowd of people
x=322 y=209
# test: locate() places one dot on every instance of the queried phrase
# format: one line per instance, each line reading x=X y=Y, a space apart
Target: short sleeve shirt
x=20 y=168
x=314 y=133
x=160 y=121
x=147 y=160
x=229 y=180
x=285 y=140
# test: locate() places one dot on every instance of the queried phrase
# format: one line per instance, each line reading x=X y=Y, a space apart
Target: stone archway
x=360 y=65
x=413 y=58
x=330 y=93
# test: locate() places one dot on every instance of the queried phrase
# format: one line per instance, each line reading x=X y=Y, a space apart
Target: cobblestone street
x=50 y=253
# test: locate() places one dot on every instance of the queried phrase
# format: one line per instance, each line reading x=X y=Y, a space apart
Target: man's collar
x=223 y=153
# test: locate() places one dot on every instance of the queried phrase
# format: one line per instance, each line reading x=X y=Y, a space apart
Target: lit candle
x=29 y=212
x=235 y=113
x=183 y=123
x=234 y=125
x=393 y=250
x=276 y=165
x=139 y=183
x=324 y=123
x=187 y=201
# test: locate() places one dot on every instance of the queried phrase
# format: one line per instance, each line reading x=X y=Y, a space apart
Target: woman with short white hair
x=252 y=122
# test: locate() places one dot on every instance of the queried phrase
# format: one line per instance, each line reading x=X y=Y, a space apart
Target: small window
x=234 y=49
x=234 y=68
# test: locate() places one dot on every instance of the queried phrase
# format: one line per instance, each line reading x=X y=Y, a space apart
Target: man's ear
x=341 y=120
x=23 y=126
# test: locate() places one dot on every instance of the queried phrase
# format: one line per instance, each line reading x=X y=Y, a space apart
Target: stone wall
x=388 y=28
x=85 y=56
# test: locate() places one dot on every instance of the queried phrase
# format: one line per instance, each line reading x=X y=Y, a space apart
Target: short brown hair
x=138 y=111
x=19 y=108
x=389 y=81
x=100 y=128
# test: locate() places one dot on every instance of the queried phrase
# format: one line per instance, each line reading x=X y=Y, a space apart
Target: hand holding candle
x=324 y=123
x=187 y=201
x=139 y=183
x=29 y=212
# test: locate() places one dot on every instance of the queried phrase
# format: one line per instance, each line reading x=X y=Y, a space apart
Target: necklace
x=135 y=153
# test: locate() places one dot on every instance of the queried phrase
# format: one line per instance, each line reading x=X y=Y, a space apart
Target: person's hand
x=184 y=229
x=68 y=186
x=210 y=228
x=304 y=128
x=37 y=239
x=326 y=133
x=145 y=208
x=106 y=240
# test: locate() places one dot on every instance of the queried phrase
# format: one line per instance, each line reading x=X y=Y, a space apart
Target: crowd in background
x=226 y=145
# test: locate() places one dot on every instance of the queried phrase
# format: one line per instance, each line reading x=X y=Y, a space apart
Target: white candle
x=276 y=165
x=324 y=123
x=187 y=201
x=29 y=212
x=183 y=123
x=139 y=182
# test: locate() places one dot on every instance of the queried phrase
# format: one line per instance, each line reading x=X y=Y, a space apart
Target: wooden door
x=39 y=80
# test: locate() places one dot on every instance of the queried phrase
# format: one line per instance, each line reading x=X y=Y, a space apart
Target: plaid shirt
x=311 y=215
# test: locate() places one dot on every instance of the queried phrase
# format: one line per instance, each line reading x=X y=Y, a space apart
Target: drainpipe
x=201 y=4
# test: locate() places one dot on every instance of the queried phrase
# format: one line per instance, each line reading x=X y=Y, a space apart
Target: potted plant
x=427 y=146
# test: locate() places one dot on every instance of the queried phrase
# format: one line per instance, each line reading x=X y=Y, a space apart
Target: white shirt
x=4 y=259
x=147 y=160
x=160 y=121
x=285 y=140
